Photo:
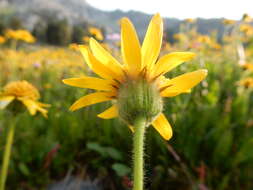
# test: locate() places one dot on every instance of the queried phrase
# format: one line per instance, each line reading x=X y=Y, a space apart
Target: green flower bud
x=139 y=99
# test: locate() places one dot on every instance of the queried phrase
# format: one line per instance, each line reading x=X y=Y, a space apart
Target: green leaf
x=245 y=153
x=24 y=169
x=223 y=147
x=97 y=147
x=113 y=153
x=121 y=169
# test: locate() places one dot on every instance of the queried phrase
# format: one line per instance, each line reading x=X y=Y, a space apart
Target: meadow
x=213 y=124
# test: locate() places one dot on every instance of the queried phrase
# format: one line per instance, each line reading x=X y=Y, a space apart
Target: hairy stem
x=138 y=149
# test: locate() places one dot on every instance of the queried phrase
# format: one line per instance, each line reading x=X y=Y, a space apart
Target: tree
x=15 y=23
x=78 y=34
x=59 y=32
x=39 y=31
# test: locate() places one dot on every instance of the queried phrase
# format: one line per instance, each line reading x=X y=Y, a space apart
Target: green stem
x=6 y=157
x=139 y=130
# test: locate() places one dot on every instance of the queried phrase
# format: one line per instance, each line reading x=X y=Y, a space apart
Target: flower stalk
x=138 y=149
x=7 y=154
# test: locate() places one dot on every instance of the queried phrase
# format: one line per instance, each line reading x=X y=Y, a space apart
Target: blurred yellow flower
x=2 y=40
x=247 y=82
x=25 y=93
x=246 y=18
x=74 y=46
x=96 y=32
x=86 y=39
x=228 y=22
x=248 y=66
x=215 y=45
x=22 y=35
x=204 y=39
x=190 y=20
x=247 y=29
x=180 y=37
x=140 y=71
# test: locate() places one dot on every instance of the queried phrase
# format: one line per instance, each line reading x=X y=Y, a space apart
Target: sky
x=182 y=9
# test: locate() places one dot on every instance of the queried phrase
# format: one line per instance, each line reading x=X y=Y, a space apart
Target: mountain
x=76 y=11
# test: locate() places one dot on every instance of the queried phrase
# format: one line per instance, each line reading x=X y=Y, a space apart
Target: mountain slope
x=76 y=11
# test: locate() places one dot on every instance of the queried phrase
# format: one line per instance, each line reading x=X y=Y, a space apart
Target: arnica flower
x=86 y=39
x=228 y=22
x=247 y=29
x=24 y=92
x=96 y=32
x=2 y=40
x=22 y=35
x=74 y=46
x=137 y=85
x=246 y=18
x=204 y=39
x=247 y=82
x=248 y=66
x=190 y=20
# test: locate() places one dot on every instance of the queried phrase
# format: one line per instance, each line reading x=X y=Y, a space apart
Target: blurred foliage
x=59 y=32
x=79 y=31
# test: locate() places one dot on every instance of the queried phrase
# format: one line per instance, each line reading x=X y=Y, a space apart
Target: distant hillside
x=76 y=11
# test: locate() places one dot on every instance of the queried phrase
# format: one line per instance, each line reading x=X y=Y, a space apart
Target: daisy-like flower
x=247 y=82
x=24 y=92
x=137 y=85
x=96 y=32
x=248 y=66
x=2 y=39
x=22 y=35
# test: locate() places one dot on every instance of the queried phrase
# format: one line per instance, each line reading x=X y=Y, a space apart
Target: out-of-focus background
x=212 y=146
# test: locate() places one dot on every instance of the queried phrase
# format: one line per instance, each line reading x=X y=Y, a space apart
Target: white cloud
x=233 y=9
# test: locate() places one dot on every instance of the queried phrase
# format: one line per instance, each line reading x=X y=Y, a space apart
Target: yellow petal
x=105 y=57
x=110 y=113
x=162 y=125
x=43 y=105
x=5 y=101
x=152 y=42
x=84 y=51
x=99 y=68
x=31 y=106
x=34 y=106
x=183 y=83
x=90 y=99
x=170 y=61
x=89 y=82
x=41 y=109
x=130 y=47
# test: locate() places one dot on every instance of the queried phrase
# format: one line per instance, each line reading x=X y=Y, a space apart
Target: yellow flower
x=96 y=33
x=246 y=29
x=228 y=22
x=74 y=46
x=204 y=39
x=247 y=82
x=248 y=66
x=25 y=93
x=140 y=66
x=180 y=37
x=22 y=35
x=2 y=39
x=86 y=39
x=190 y=20
x=246 y=18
